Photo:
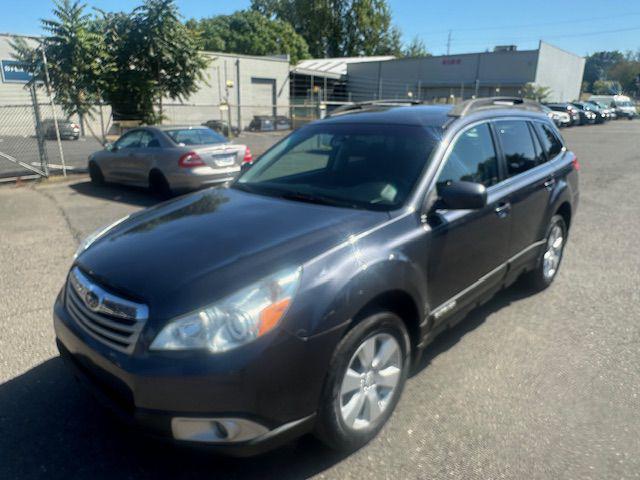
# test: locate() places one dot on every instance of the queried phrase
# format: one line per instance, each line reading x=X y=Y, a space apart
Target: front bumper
x=277 y=388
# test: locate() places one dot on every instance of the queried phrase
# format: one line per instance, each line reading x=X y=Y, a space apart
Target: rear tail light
x=575 y=163
x=248 y=158
x=190 y=160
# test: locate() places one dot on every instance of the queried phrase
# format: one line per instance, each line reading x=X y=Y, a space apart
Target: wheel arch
x=564 y=210
x=395 y=301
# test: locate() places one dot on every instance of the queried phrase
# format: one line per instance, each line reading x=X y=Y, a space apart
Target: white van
x=623 y=104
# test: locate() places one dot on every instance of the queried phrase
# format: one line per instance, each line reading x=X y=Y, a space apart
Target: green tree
x=416 y=48
x=627 y=73
x=536 y=92
x=251 y=33
x=151 y=55
x=369 y=29
x=336 y=28
x=130 y=60
x=74 y=58
x=598 y=64
x=606 y=87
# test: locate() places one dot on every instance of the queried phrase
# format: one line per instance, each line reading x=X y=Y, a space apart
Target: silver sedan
x=169 y=159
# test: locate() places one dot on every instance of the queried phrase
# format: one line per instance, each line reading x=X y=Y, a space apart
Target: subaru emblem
x=92 y=300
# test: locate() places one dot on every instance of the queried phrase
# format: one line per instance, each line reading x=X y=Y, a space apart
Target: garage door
x=263 y=96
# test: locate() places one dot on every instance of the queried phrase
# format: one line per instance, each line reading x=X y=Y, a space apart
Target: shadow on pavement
x=118 y=193
x=52 y=428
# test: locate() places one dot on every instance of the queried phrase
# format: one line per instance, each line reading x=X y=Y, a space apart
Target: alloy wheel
x=370 y=380
x=553 y=254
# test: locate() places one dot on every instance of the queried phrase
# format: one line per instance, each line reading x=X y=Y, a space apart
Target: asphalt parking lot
x=543 y=386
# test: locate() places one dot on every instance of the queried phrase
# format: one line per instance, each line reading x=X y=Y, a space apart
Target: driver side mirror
x=111 y=147
x=462 y=196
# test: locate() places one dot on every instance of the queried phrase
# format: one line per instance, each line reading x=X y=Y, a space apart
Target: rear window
x=195 y=136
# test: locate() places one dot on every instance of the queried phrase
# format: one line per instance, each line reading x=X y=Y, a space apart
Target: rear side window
x=472 y=159
x=147 y=140
x=550 y=141
x=517 y=145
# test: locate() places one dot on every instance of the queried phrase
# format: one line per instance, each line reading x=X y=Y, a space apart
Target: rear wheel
x=366 y=377
x=95 y=173
x=159 y=184
x=549 y=263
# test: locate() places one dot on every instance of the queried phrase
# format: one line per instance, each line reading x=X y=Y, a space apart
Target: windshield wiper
x=318 y=199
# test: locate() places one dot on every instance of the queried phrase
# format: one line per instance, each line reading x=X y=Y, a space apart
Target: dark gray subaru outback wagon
x=299 y=298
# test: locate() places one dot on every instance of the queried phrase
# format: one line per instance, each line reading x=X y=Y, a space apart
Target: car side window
x=550 y=141
x=472 y=159
x=517 y=145
x=147 y=140
x=129 y=140
x=540 y=154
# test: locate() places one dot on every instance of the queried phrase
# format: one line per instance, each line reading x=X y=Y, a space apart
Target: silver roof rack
x=470 y=106
x=373 y=103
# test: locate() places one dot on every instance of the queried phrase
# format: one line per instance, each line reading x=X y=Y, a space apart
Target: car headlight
x=90 y=239
x=235 y=320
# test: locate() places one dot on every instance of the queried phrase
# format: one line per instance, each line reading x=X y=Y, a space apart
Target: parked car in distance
x=300 y=298
x=266 y=123
x=575 y=113
x=283 y=123
x=607 y=110
x=560 y=118
x=169 y=159
x=222 y=128
x=262 y=123
x=622 y=104
x=68 y=130
x=599 y=115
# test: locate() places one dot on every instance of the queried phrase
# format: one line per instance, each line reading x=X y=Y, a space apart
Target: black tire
x=159 y=185
x=97 y=178
x=331 y=429
x=536 y=279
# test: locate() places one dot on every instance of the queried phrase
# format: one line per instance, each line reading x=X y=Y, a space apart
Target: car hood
x=193 y=250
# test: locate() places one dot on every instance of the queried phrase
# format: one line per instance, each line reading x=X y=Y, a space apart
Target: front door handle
x=549 y=183
x=503 y=209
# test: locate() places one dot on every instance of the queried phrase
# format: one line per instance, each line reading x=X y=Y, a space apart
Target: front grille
x=112 y=320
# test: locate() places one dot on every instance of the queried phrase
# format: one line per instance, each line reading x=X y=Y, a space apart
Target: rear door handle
x=549 y=183
x=503 y=209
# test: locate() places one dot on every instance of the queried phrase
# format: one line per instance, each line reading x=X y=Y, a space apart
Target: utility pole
x=449 y=43
x=53 y=112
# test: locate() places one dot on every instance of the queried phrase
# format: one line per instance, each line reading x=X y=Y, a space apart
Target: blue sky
x=580 y=26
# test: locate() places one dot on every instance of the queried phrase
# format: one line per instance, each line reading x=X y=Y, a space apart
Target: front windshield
x=371 y=166
x=195 y=136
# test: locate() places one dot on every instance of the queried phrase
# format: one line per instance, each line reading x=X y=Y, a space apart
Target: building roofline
x=33 y=37
x=249 y=57
x=558 y=48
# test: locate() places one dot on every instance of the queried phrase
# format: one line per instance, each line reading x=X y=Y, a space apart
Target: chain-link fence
x=39 y=139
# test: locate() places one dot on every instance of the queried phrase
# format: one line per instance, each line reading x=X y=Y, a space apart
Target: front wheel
x=366 y=377
x=549 y=263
